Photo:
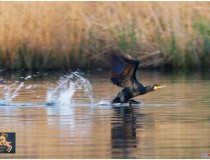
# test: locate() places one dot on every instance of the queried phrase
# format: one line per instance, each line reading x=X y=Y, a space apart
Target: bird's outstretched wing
x=123 y=70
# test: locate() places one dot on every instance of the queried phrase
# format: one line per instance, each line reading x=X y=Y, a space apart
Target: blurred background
x=62 y=35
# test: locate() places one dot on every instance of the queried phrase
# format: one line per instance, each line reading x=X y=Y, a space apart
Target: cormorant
x=123 y=74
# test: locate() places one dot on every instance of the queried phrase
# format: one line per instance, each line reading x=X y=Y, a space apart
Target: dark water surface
x=173 y=122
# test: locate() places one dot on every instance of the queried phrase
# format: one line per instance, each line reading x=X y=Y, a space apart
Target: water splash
x=64 y=91
x=66 y=87
x=11 y=91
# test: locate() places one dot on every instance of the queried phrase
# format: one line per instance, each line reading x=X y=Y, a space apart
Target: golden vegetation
x=56 y=35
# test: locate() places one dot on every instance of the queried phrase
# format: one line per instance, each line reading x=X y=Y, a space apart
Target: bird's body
x=128 y=93
x=123 y=74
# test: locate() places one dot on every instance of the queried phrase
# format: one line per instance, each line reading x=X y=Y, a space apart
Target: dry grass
x=56 y=35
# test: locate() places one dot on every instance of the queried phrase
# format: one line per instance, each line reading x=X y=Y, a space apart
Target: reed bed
x=58 y=35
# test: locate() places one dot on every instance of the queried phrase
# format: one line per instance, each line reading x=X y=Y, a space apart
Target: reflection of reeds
x=55 y=35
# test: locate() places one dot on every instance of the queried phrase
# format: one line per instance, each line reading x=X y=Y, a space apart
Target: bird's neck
x=148 y=89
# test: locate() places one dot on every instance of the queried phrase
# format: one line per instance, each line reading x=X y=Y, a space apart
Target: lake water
x=56 y=116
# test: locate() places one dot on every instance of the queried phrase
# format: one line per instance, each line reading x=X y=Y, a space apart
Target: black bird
x=123 y=74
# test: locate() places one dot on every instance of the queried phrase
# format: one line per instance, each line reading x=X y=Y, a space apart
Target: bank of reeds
x=57 y=35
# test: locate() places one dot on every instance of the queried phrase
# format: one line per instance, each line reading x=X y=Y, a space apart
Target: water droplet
x=66 y=86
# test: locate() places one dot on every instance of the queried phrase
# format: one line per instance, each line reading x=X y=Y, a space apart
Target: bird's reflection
x=123 y=132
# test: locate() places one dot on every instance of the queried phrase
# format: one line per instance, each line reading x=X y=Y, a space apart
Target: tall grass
x=57 y=35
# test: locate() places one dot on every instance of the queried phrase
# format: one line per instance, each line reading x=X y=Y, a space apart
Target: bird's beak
x=159 y=87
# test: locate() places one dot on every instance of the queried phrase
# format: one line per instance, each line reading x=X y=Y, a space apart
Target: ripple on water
x=73 y=123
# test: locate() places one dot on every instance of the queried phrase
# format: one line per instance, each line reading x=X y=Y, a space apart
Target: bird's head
x=156 y=87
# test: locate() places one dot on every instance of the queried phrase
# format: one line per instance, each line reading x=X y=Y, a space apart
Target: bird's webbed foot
x=133 y=102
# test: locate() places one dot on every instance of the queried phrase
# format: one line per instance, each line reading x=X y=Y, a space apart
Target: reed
x=59 y=35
